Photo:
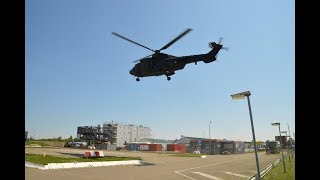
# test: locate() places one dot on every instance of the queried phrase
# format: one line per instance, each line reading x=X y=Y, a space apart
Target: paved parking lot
x=157 y=166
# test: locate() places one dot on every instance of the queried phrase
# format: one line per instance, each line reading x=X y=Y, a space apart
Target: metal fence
x=267 y=169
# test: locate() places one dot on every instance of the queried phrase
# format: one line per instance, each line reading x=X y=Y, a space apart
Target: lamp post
x=209 y=139
x=284 y=164
x=290 y=142
x=209 y=129
x=242 y=95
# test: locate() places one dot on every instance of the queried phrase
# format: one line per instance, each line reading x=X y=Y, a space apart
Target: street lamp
x=242 y=95
x=290 y=141
x=289 y=137
x=209 y=129
x=284 y=164
x=209 y=139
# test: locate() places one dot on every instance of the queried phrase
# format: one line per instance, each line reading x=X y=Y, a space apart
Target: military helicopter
x=158 y=63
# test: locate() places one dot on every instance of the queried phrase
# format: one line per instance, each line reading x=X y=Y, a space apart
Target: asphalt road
x=157 y=166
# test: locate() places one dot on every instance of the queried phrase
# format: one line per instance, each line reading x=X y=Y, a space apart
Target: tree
x=258 y=143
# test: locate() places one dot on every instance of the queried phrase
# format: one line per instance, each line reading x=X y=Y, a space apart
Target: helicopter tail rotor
x=220 y=42
x=216 y=47
x=224 y=48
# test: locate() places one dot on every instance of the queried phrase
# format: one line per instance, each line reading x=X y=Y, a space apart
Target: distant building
x=248 y=147
x=186 y=141
x=234 y=147
x=120 y=134
x=205 y=146
x=216 y=146
x=91 y=134
x=291 y=143
x=163 y=142
x=283 y=141
x=26 y=136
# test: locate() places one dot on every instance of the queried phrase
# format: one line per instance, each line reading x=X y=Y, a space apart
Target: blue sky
x=77 y=72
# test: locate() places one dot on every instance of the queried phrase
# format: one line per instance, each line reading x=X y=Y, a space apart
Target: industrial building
x=205 y=146
x=234 y=147
x=113 y=133
x=91 y=134
x=186 y=140
x=121 y=134
x=283 y=141
x=216 y=146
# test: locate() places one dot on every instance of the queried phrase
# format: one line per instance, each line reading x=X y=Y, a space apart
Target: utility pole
x=289 y=136
x=209 y=129
x=290 y=149
x=209 y=139
x=284 y=164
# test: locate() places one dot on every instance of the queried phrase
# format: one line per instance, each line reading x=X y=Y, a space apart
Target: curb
x=82 y=164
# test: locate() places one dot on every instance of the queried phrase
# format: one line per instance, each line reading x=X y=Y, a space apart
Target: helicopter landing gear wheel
x=137 y=79
x=168 y=78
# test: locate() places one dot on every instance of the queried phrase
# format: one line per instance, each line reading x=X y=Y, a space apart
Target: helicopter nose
x=132 y=72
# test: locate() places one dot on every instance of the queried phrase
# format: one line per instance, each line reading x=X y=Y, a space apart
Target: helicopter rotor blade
x=141 y=58
x=220 y=40
x=170 y=56
x=176 y=39
x=116 y=34
x=225 y=48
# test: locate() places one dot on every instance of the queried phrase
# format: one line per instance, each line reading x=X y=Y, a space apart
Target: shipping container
x=155 y=147
x=110 y=147
x=234 y=147
x=144 y=147
x=206 y=146
x=133 y=147
x=181 y=148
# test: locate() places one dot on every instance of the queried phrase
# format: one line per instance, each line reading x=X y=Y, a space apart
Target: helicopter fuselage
x=157 y=66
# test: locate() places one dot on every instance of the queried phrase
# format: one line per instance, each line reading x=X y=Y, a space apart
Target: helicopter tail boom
x=211 y=56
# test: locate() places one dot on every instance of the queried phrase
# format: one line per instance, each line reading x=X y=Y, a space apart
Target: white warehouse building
x=120 y=134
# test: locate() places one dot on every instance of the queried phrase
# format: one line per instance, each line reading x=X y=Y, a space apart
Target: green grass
x=36 y=142
x=40 y=159
x=277 y=173
x=187 y=155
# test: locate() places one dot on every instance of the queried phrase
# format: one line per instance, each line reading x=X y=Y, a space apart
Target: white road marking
x=178 y=172
x=208 y=176
x=212 y=164
x=184 y=175
x=235 y=174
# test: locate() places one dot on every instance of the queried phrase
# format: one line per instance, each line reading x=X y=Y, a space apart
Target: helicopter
x=158 y=63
